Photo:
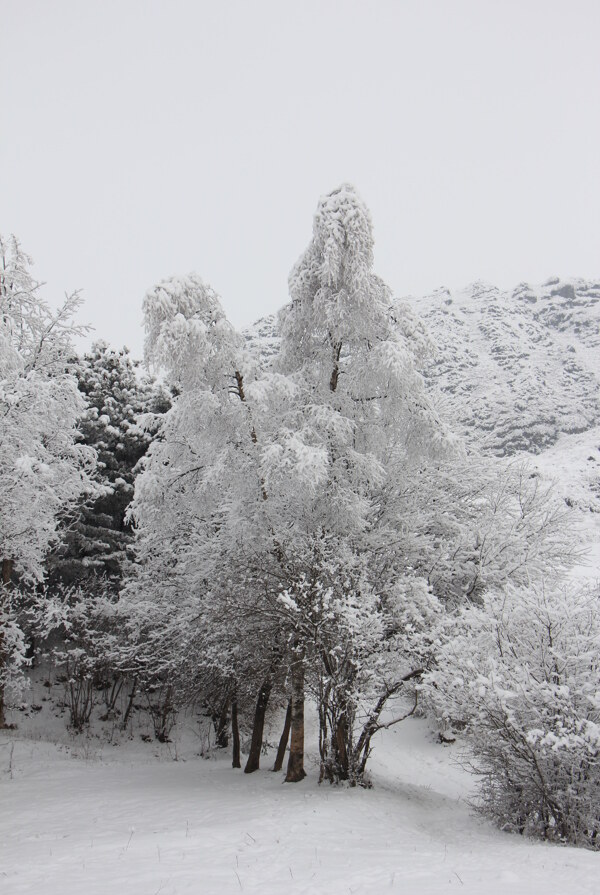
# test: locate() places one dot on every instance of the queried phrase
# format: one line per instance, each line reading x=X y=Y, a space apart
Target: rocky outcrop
x=516 y=369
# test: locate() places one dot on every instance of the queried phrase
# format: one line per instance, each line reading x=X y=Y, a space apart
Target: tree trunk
x=253 y=762
x=220 y=723
x=235 y=734
x=239 y=382
x=295 y=768
x=284 y=738
x=129 y=703
x=335 y=373
x=341 y=747
x=7 y=568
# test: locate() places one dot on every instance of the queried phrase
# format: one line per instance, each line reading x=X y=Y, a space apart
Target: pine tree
x=121 y=418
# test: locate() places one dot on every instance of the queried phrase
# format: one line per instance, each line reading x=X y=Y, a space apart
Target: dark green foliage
x=122 y=417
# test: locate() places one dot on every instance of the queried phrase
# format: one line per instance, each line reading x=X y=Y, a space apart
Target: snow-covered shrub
x=523 y=673
x=80 y=635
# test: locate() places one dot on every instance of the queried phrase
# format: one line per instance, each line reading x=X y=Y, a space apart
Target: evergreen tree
x=121 y=418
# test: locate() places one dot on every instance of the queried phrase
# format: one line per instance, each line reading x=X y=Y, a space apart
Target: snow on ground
x=92 y=819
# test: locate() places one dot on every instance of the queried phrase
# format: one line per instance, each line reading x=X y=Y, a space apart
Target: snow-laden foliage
x=187 y=333
x=281 y=532
x=121 y=418
x=522 y=672
x=199 y=504
x=358 y=425
x=43 y=469
x=477 y=524
x=80 y=630
x=357 y=352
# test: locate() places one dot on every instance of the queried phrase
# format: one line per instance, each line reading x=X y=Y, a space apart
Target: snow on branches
x=43 y=469
x=523 y=673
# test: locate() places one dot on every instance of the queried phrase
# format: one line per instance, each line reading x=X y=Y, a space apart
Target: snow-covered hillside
x=516 y=369
x=573 y=464
x=517 y=373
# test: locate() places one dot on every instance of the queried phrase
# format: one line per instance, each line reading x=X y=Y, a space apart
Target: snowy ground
x=85 y=819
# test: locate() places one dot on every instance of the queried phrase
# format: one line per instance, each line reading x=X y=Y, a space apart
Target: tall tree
x=199 y=504
x=383 y=521
x=362 y=416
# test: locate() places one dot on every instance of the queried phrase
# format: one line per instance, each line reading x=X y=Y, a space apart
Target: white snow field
x=86 y=819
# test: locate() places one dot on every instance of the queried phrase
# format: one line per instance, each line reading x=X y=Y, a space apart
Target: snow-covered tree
x=42 y=468
x=380 y=518
x=360 y=424
x=80 y=632
x=478 y=523
x=122 y=414
x=199 y=504
x=305 y=522
x=265 y=494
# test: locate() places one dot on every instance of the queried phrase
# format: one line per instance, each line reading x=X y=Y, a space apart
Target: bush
x=523 y=673
x=80 y=633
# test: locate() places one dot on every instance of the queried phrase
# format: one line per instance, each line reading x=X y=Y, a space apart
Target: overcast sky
x=145 y=139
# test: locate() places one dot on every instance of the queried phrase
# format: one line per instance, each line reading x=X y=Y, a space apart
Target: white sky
x=144 y=139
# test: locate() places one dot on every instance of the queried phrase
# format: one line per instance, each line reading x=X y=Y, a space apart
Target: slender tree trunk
x=284 y=738
x=220 y=722
x=239 y=383
x=253 y=762
x=341 y=747
x=235 y=734
x=295 y=767
x=335 y=373
x=129 y=708
x=7 y=567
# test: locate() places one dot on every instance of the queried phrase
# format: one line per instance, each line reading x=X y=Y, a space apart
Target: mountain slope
x=516 y=369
